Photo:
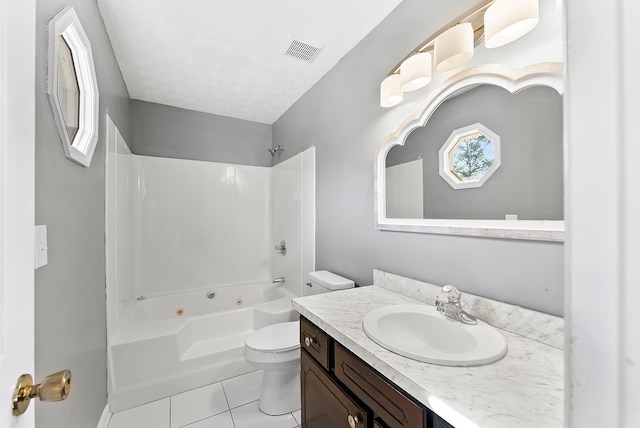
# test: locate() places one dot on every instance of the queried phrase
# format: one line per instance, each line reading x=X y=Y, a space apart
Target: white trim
x=105 y=418
x=602 y=384
x=66 y=24
x=544 y=74
x=630 y=302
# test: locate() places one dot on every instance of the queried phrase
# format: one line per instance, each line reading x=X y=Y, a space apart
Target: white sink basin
x=421 y=333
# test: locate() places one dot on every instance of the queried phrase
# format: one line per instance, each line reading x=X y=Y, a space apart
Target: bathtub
x=173 y=343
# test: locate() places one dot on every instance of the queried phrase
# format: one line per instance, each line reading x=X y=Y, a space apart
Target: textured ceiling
x=226 y=56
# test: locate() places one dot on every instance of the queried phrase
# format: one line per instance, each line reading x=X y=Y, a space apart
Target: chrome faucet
x=448 y=304
x=278 y=280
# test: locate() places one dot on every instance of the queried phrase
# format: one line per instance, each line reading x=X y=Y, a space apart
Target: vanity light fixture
x=498 y=22
x=415 y=72
x=390 y=91
x=508 y=20
x=454 y=47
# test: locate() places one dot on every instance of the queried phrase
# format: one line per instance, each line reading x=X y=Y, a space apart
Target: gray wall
x=528 y=182
x=70 y=325
x=342 y=117
x=165 y=131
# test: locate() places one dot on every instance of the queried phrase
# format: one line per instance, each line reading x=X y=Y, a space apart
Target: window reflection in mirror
x=404 y=190
x=471 y=157
x=68 y=89
x=529 y=182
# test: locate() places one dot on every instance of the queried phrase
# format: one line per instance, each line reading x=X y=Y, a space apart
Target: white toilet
x=276 y=350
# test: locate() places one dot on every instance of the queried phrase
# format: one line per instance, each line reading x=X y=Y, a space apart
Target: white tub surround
x=293 y=219
x=176 y=225
x=171 y=344
x=524 y=389
x=178 y=229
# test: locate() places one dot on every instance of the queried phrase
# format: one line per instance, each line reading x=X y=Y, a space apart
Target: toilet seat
x=280 y=337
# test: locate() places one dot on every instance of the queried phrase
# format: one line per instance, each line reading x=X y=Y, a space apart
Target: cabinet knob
x=308 y=341
x=353 y=421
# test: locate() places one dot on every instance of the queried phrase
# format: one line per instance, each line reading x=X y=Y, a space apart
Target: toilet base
x=280 y=393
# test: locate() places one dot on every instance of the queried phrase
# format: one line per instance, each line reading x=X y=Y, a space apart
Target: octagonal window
x=72 y=86
x=470 y=156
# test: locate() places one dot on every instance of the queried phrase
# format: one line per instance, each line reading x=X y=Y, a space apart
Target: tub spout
x=279 y=280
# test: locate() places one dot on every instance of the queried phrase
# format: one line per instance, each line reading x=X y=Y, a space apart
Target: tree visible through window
x=472 y=157
x=469 y=156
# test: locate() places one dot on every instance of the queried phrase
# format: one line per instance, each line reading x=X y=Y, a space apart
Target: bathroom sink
x=421 y=333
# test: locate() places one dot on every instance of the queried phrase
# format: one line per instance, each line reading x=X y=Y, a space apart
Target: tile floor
x=232 y=403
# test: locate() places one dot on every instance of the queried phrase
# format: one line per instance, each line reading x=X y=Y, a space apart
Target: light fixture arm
x=497 y=22
x=473 y=16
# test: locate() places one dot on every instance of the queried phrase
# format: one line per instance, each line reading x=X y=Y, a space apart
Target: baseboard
x=105 y=417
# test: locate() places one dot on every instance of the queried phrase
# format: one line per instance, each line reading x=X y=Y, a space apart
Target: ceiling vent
x=301 y=50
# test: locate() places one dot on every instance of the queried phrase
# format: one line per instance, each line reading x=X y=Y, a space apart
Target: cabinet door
x=386 y=401
x=324 y=403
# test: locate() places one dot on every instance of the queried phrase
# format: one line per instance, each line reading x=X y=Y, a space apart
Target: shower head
x=273 y=152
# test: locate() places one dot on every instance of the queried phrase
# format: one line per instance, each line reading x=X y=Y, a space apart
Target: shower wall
x=200 y=224
x=294 y=218
x=120 y=186
x=175 y=225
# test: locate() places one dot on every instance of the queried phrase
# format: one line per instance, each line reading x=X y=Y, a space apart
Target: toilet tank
x=323 y=281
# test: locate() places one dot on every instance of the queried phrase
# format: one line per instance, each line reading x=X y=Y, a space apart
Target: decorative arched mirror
x=483 y=158
x=72 y=86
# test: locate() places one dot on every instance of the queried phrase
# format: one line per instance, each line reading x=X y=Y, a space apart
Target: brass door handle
x=54 y=387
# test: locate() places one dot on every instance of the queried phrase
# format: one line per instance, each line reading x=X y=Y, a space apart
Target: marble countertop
x=524 y=389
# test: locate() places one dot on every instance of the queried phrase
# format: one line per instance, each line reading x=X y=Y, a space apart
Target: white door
x=17 y=136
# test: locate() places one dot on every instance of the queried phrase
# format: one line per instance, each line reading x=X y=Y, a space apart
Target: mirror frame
x=514 y=80
x=66 y=24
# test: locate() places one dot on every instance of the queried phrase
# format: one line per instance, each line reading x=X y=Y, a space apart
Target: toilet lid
x=279 y=337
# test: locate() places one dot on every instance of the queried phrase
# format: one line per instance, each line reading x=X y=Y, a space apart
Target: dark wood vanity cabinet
x=316 y=342
x=391 y=406
x=341 y=390
x=324 y=403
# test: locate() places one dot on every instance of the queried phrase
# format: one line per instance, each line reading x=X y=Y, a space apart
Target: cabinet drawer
x=324 y=404
x=316 y=342
x=376 y=392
